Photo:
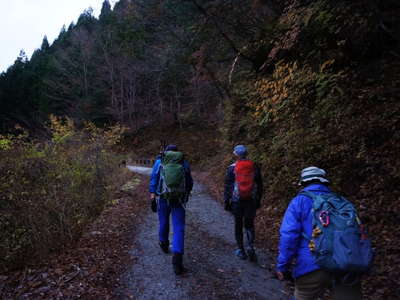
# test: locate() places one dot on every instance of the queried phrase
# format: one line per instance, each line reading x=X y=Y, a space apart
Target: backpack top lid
x=331 y=201
x=339 y=209
x=244 y=167
x=174 y=157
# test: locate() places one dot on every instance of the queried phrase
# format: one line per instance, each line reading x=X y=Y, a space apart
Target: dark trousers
x=312 y=285
x=244 y=213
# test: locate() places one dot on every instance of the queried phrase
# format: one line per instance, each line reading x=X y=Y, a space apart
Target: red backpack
x=244 y=178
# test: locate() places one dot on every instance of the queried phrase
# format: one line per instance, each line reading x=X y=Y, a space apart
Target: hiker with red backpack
x=322 y=234
x=170 y=186
x=242 y=197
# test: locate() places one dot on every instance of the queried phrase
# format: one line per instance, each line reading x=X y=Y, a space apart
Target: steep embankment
x=327 y=95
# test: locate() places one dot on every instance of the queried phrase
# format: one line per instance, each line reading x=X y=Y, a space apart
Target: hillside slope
x=327 y=95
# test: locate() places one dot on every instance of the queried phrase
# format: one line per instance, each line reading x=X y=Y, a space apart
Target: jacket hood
x=316 y=187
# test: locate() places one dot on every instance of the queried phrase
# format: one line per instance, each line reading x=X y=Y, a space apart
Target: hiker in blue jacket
x=310 y=280
x=243 y=208
x=166 y=208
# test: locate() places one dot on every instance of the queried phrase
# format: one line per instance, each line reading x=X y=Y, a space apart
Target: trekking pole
x=163 y=145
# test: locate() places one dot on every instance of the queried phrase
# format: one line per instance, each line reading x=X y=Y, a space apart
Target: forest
x=299 y=82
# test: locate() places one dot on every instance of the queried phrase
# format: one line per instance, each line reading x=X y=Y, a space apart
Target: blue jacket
x=293 y=246
x=155 y=184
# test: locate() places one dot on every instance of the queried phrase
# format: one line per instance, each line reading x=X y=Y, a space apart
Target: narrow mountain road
x=213 y=270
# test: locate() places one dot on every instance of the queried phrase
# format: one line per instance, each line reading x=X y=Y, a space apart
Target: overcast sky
x=24 y=23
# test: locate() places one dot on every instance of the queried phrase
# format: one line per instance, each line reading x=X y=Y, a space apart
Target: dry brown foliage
x=91 y=268
x=49 y=191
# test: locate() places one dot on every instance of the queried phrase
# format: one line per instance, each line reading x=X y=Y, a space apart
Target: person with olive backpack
x=170 y=186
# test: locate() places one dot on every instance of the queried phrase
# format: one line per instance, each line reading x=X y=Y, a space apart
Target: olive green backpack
x=173 y=176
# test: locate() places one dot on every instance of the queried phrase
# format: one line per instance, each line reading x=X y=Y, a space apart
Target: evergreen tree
x=45 y=44
x=105 y=11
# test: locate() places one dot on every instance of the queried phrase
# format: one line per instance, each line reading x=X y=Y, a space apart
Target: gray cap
x=313 y=173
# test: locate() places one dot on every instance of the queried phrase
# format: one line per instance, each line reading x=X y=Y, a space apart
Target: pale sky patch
x=24 y=23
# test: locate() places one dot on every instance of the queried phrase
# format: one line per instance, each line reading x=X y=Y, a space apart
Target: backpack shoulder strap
x=308 y=194
x=312 y=196
x=304 y=235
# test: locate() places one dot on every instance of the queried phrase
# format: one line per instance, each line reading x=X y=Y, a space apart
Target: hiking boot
x=252 y=255
x=241 y=253
x=177 y=264
x=164 y=246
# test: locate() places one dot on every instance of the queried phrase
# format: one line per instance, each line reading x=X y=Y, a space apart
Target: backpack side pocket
x=351 y=253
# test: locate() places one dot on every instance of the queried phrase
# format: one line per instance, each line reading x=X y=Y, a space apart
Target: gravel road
x=213 y=270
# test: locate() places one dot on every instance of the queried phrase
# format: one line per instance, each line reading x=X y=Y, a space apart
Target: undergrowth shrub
x=50 y=191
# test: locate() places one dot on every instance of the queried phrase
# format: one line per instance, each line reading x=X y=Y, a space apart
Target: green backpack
x=173 y=176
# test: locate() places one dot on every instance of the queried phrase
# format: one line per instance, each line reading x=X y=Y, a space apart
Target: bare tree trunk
x=85 y=81
x=179 y=113
x=178 y=107
x=112 y=86
x=198 y=97
x=121 y=107
x=161 y=108
x=171 y=105
x=129 y=105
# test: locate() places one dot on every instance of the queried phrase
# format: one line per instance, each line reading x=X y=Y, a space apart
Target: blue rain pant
x=165 y=209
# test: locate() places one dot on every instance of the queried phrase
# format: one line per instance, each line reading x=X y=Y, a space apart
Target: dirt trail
x=214 y=271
